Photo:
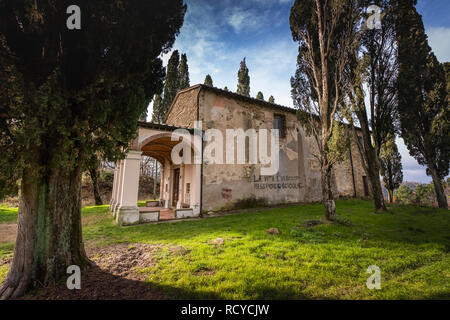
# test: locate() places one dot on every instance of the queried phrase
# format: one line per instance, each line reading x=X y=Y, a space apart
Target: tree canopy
x=391 y=166
x=183 y=73
x=422 y=98
x=243 y=87
x=171 y=84
x=208 y=81
x=326 y=32
x=260 y=96
x=64 y=95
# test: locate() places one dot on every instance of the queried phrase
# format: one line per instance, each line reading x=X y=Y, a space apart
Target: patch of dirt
x=8 y=232
x=124 y=260
x=217 y=242
x=114 y=276
x=205 y=273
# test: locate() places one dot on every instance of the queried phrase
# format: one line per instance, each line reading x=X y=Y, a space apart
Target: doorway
x=176 y=186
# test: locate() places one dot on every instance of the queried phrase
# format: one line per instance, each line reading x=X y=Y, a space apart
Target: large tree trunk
x=327 y=193
x=438 y=188
x=391 y=196
x=94 y=177
x=49 y=235
x=374 y=178
x=372 y=166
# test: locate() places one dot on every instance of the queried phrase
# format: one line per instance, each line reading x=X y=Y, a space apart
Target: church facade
x=202 y=184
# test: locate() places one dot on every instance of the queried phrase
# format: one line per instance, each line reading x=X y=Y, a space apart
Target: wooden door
x=176 y=187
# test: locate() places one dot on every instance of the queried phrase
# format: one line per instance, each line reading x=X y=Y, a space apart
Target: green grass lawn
x=8 y=214
x=411 y=245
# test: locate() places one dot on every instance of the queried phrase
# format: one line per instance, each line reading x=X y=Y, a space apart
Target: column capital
x=133 y=155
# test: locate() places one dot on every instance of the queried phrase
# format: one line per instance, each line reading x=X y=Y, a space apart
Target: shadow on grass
x=97 y=284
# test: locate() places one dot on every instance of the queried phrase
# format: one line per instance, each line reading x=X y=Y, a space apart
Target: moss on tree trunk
x=49 y=237
x=327 y=193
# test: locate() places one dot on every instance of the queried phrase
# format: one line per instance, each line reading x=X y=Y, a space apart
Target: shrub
x=425 y=194
x=8 y=190
x=343 y=221
x=404 y=195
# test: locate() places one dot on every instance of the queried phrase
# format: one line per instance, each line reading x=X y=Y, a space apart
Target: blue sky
x=217 y=35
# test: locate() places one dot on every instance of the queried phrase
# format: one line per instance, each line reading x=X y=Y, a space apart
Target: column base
x=112 y=206
x=127 y=216
x=115 y=209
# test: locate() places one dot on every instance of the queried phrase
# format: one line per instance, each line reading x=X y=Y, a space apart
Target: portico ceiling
x=159 y=149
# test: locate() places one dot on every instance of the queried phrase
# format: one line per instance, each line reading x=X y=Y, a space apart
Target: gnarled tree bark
x=372 y=166
x=438 y=188
x=327 y=194
x=49 y=235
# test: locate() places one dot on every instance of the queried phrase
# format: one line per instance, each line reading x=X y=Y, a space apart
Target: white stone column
x=196 y=188
x=113 y=193
x=168 y=182
x=118 y=187
x=161 y=184
x=128 y=211
x=181 y=187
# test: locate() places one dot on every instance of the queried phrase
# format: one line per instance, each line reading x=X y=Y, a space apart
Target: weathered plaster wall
x=298 y=180
x=359 y=170
x=224 y=185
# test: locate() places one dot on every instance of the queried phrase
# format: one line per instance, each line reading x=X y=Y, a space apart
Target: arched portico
x=180 y=184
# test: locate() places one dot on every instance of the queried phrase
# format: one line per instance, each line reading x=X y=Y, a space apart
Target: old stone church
x=187 y=190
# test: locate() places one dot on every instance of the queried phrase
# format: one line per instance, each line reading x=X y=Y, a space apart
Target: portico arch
x=179 y=184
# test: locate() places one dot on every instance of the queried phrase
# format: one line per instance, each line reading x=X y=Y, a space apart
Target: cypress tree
x=446 y=67
x=271 y=99
x=64 y=96
x=171 y=83
x=391 y=166
x=422 y=101
x=260 y=96
x=183 y=73
x=157 y=104
x=373 y=66
x=243 y=87
x=208 y=81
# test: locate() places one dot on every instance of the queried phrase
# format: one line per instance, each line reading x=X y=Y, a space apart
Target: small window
x=167 y=187
x=188 y=188
x=279 y=122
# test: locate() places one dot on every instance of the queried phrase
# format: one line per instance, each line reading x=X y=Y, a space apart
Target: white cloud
x=438 y=38
x=240 y=19
x=412 y=171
